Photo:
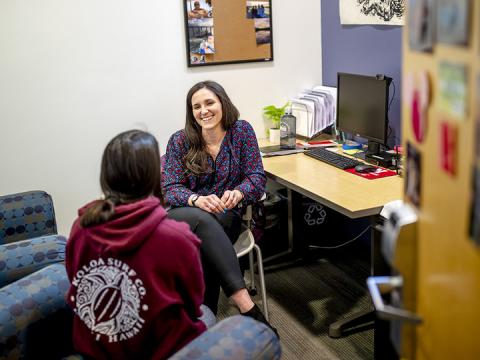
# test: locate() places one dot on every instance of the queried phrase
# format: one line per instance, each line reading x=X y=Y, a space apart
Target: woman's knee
x=193 y=216
x=203 y=216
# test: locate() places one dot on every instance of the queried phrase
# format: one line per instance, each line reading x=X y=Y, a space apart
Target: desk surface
x=346 y=193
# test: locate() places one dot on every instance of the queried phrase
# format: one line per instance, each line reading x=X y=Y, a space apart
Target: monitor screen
x=362 y=105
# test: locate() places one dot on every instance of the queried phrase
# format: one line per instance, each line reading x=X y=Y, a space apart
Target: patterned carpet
x=305 y=299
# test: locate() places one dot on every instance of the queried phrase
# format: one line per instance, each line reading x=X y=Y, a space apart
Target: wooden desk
x=337 y=189
x=346 y=193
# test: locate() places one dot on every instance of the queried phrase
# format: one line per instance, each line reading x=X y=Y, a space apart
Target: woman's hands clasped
x=213 y=204
x=210 y=203
x=231 y=198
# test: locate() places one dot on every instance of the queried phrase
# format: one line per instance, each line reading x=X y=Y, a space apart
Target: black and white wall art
x=372 y=12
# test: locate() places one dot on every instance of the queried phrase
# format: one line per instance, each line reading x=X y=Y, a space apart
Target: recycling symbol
x=315 y=215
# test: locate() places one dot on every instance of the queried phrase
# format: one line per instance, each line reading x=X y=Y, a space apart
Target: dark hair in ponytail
x=98 y=213
x=130 y=171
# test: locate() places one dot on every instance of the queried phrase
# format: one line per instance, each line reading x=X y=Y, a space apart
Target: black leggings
x=219 y=261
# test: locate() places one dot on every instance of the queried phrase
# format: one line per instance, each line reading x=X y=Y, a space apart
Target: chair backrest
x=162 y=166
x=254 y=218
x=246 y=239
x=26 y=215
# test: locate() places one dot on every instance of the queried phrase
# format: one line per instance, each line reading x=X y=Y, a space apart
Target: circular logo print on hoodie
x=108 y=299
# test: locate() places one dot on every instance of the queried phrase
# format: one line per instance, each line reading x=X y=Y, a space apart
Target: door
x=440 y=115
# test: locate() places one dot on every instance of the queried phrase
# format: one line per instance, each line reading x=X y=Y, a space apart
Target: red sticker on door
x=448 y=148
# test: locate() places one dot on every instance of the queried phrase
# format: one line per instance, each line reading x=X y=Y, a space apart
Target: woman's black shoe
x=257 y=314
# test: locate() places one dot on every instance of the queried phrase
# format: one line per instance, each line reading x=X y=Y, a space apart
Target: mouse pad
x=377 y=174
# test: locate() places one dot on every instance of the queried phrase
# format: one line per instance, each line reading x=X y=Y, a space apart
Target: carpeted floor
x=303 y=300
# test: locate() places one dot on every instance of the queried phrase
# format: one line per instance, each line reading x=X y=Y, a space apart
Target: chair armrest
x=237 y=337
x=208 y=317
x=247 y=215
x=24 y=257
x=27 y=303
x=26 y=215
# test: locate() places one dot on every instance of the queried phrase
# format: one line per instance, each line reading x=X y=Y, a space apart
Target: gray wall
x=362 y=49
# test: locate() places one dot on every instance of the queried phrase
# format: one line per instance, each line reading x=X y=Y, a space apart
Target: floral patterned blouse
x=238 y=166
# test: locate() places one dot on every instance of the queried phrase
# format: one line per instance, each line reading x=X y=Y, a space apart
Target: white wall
x=75 y=73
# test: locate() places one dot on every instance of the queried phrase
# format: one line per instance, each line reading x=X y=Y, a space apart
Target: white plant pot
x=275 y=136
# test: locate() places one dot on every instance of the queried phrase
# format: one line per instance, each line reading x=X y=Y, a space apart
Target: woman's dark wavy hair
x=130 y=171
x=196 y=158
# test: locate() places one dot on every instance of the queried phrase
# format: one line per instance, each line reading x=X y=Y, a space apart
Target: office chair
x=245 y=244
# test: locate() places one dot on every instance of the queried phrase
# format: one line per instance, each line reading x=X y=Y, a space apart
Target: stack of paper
x=315 y=110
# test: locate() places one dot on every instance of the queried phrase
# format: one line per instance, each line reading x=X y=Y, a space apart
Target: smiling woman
x=211 y=98
x=210 y=167
x=207 y=111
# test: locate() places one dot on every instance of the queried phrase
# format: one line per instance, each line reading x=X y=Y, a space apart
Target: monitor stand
x=377 y=156
x=373 y=148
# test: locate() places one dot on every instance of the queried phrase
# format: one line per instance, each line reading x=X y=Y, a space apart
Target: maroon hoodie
x=137 y=284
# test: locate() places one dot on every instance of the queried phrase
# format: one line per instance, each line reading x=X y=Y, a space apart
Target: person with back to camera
x=211 y=166
x=136 y=277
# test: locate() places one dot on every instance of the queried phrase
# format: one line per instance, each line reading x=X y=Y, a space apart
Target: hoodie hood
x=129 y=227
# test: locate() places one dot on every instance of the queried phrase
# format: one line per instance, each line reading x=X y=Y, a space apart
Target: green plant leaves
x=274 y=113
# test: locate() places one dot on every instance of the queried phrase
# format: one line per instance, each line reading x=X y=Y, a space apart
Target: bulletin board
x=228 y=31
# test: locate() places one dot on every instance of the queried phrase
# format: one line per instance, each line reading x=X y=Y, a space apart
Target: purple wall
x=362 y=49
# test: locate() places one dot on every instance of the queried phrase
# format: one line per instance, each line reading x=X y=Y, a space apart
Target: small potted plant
x=274 y=114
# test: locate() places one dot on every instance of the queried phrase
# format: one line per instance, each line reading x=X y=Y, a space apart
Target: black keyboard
x=333 y=158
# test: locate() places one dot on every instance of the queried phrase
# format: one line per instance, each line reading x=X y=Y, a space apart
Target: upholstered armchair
x=28 y=235
x=35 y=320
x=28 y=243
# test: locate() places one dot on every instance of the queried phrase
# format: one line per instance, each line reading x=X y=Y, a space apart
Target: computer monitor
x=362 y=107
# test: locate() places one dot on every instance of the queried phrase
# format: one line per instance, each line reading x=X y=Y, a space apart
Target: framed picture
x=477 y=119
x=413 y=176
x=452 y=80
x=475 y=208
x=228 y=31
x=453 y=21
x=421 y=21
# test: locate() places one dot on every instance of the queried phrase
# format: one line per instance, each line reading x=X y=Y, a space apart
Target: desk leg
x=290 y=235
x=290 y=219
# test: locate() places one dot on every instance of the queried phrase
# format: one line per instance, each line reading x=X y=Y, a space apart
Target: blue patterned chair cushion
x=237 y=337
x=24 y=257
x=208 y=317
x=25 y=303
x=26 y=215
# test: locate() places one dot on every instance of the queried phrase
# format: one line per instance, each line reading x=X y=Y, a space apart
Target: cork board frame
x=228 y=31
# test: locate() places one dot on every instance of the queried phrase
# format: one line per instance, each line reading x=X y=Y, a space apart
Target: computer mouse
x=365 y=168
